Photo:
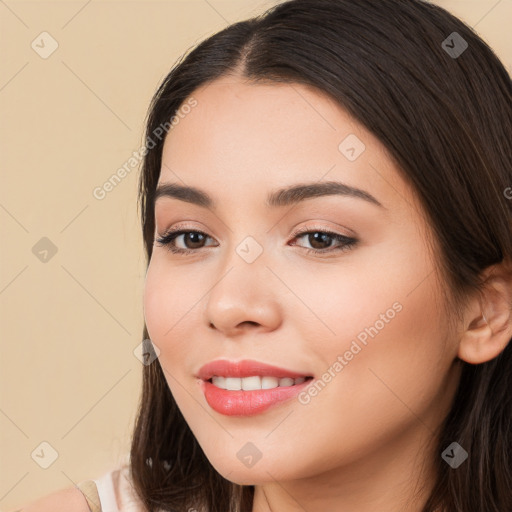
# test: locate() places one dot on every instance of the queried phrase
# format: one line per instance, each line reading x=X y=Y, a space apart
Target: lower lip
x=248 y=403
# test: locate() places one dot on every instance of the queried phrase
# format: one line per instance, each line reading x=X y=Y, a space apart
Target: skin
x=365 y=442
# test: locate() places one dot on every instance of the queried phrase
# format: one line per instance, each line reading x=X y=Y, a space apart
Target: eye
x=321 y=241
x=168 y=240
x=318 y=238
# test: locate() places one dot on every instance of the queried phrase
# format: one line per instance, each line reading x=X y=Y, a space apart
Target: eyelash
x=169 y=237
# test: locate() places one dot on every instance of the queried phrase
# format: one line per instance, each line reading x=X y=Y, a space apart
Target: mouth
x=255 y=382
x=246 y=369
x=247 y=387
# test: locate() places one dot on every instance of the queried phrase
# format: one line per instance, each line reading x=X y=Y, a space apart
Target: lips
x=246 y=401
x=245 y=368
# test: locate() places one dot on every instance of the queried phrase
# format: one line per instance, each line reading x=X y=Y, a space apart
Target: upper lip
x=244 y=368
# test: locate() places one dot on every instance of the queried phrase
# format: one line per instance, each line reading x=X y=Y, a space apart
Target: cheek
x=386 y=360
x=388 y=301
x=381 y=341
x=169 y=299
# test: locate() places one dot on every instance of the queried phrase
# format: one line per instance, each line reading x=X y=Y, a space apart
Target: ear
x=488 y=318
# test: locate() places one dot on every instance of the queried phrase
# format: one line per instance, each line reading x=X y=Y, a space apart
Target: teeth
x=269 y=382
x=254 y=383
x=233 y=384
x=250 y=383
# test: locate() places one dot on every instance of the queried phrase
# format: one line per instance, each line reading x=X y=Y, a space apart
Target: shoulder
x=65 y=500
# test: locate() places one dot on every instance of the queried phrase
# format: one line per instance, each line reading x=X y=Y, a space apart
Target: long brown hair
x=444 y=113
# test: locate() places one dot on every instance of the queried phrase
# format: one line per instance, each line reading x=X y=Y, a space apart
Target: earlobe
x=490 y=322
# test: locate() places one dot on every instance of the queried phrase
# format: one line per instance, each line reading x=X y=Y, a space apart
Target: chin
x=261 y=472
x=247 y=477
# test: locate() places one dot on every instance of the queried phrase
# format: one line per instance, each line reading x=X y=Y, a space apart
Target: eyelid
x=295 y=232
x=316 y=227
x=179 y=226
x=347 y=242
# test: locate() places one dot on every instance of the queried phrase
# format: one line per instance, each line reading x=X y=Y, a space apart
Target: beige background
x=69 y=325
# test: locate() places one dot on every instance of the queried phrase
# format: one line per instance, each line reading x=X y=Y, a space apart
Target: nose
x=243 y=299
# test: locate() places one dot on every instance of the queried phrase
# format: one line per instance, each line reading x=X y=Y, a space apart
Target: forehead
x=238 y=116
x=272 y=135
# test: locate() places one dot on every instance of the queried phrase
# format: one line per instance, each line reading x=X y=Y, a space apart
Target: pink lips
x=246 y=403
x=245 y=368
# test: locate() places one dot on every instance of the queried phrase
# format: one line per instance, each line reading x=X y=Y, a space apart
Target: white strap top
x=112 y=492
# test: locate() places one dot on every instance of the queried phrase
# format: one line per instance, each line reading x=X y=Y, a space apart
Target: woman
x=327 y=220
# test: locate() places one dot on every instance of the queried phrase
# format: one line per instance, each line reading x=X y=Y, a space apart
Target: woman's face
x=367 y=321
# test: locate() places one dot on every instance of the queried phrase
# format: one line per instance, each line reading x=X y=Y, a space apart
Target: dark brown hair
x=446 y=120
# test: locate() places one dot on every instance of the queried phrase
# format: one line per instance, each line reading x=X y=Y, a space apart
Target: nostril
x=250 y=322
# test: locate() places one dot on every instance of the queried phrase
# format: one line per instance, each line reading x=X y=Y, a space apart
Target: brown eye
x=192 y=240
x=195 y=238
x=320 y=241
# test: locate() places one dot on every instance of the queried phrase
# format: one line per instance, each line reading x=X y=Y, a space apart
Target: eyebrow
x=277 y=198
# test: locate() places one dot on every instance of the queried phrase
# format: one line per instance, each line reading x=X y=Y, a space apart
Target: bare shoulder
x=65 y=500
